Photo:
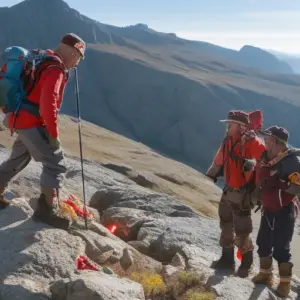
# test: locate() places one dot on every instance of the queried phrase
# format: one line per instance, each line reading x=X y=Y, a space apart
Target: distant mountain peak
x=41 y=23
x=139 y=26
x=56 y=4
x=259 y=57
x=252 y=48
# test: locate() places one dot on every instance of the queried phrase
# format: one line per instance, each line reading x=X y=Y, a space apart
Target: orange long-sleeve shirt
x=48 y=94
x=233 y=172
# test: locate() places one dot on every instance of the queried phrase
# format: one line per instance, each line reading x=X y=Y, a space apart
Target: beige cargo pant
x=235 y=224
x=33 y=143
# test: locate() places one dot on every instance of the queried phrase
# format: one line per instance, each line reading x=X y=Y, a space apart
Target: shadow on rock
x=16 y=237
x=218 y=277
x=102 y=200
x=16 y=292
x=14 y=241
x=13 y=214
x=128 y=221
x=259 y=289
x=29 y=250
x=91 y=286
x=232 y=287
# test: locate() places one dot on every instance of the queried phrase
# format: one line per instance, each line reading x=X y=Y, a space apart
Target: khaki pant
x=235 y=223
x=33 y=143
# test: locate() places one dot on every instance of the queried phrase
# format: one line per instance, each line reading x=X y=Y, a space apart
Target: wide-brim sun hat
x=238 y=117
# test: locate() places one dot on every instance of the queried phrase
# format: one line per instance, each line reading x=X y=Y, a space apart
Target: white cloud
x=279 y=41
x=277 y=30
x=240 y=34
x=274 y=15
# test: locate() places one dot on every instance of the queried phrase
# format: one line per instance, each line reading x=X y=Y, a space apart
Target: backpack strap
x=246 y=136
x=280 y=157
x=31 y=78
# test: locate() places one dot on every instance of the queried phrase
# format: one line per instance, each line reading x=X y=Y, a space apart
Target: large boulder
x=158 y=221
x=33 y=254
x=91 y=286
x=133 y=196
x=113 y=252
x=172 y=233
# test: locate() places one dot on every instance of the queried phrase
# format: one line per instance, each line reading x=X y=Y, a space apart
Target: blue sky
x=269 y=24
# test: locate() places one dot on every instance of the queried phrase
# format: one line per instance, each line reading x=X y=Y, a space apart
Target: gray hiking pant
x=33 y=143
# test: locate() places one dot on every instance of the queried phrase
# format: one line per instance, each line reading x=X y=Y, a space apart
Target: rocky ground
x=155 y=233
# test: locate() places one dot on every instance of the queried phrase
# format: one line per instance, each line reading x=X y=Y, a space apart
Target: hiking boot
x=285 y=273
x=50 y=196
x=49 y=214
x=226 y=261
x=265 y=275
x=245 y=267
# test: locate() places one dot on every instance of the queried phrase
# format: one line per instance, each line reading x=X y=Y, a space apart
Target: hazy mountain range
x=156 y=88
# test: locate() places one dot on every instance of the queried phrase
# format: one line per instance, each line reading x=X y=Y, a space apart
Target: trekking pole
x=80 y=146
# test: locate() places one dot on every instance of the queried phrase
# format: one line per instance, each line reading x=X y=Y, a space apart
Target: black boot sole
x=222 y=266
x=3 y=205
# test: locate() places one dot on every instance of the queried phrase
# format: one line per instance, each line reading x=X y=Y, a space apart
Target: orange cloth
x=82 y=263
x=252 y=147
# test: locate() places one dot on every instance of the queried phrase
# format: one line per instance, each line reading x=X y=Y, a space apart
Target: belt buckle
x=232 y=189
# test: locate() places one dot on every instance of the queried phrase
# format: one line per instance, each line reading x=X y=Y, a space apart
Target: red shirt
x=272 y=198
x=48 y=94
x=252 y=147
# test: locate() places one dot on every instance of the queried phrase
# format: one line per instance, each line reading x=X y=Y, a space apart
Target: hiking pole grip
x=80 y=143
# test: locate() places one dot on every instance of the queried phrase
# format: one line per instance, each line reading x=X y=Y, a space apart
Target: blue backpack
x=21 y=71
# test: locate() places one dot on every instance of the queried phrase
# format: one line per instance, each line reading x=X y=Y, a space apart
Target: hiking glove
x=249 y=165
x=54 y=142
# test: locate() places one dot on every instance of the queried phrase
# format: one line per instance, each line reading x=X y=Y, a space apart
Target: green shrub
x=198 y=295
x=152 y=283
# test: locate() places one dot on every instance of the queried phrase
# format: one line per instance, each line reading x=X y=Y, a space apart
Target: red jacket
x=48 y=94
x=277 y=185
x=272 y=198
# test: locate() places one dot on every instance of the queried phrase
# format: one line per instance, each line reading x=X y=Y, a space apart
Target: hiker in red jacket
x=37 y=134
x=278 y=184
x=237 y=157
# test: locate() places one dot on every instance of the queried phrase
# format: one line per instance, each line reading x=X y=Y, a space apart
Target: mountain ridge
x=167 y=96
x=133 y=31
x=292 y=59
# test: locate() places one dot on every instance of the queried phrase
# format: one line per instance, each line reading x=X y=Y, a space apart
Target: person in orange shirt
x=36 y=126
x=236 y=158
